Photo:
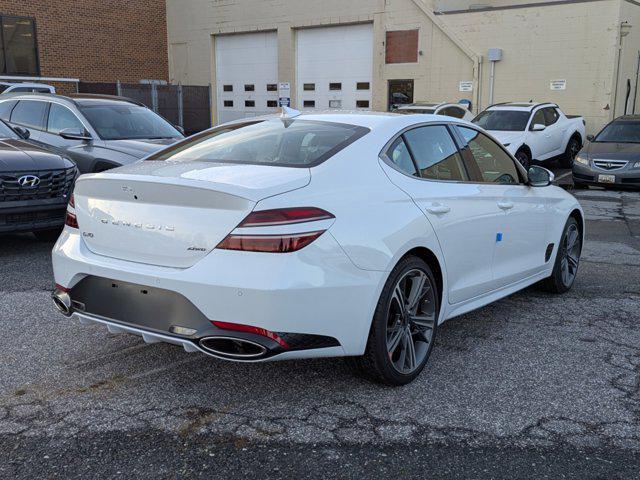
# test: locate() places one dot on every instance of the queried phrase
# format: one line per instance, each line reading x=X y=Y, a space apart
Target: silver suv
x=97 y=132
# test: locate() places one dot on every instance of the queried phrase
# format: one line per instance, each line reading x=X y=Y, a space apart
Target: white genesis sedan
x=315 y=235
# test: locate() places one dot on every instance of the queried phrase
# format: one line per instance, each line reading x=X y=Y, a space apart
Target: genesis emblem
x=139 y=225
x=29 y=181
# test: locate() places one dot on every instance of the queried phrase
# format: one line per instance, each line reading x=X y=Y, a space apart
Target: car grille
x=630 y=180
x=582 y=177
x=33 y=217
x=610 y=164
x=52 y=184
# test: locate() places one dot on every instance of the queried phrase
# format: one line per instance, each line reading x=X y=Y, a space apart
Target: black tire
x=377 y=363
x=557 y=282
x=573 y=147
x=50 y=235
x=524 y=158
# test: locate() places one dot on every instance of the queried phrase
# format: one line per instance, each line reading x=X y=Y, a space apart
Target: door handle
x=505 y=205
x=438 y=209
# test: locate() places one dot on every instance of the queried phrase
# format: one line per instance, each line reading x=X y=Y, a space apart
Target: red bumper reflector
x=62 y=289
x=237 y=327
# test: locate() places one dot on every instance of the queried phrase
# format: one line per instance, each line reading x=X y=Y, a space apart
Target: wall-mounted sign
x=466 y=86
x=284 y=94
x=558 y=84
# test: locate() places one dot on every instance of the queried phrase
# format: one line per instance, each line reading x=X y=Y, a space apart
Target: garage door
x=246 y=75
x=334 y=67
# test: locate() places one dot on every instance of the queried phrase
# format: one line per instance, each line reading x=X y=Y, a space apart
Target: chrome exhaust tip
x=62 y=302
x=233 y=347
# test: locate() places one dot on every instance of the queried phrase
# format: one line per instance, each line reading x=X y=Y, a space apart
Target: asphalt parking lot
x=534 y=386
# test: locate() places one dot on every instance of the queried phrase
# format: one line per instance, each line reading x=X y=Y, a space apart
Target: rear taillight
x=70 y=220
x=284 y=216
x=276 y=243
x=237 y=327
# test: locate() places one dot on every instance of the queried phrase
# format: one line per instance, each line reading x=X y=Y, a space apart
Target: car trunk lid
x=173 y=213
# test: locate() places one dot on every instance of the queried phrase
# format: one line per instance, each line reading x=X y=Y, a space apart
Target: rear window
x=282 y=142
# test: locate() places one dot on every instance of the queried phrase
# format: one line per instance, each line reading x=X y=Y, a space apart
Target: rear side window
x=401 y=158
x=283 y=142
x=61 y=118
x=29 y=113
x=493 y=163
x=435 y=153
x=5 y=109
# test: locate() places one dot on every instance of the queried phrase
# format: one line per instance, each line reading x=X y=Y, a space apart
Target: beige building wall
x=575 y=42
x=193 y=26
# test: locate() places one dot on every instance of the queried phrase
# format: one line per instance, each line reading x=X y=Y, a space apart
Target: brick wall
x=97 y=40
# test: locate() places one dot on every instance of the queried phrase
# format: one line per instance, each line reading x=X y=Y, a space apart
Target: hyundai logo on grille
x=29 y=181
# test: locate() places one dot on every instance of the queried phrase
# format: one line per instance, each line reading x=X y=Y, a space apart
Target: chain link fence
x=188 y=106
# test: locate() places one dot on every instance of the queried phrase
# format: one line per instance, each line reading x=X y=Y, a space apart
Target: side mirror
x=75 y=134
x=179 y=128
x=540 y=176
x=538 y=127
x=22 y=132
x=591 y=138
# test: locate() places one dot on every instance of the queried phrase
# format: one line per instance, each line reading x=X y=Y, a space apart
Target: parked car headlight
x=582 y=160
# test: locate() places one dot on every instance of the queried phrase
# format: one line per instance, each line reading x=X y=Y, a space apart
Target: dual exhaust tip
x=62 y=302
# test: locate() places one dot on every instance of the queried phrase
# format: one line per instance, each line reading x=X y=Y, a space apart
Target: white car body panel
x=332 y=286
x=546 y=144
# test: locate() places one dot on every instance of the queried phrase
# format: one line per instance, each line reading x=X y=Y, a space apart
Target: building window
x=227 y=88
x=228 y=103
x=272 y=103
x=272 y=87
x=335 y=86
x=249 y=103
x=309 y=87
x=362 y=86
x=335 y=103
x=309 y=103
x=249 y=88
x=401 y=46
x=362 y=103
x=18 y=49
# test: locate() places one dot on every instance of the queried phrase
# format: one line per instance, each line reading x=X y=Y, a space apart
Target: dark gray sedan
x=611 y=158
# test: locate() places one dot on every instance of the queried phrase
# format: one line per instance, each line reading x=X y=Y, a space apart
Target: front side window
x=551 y=116
x=503 y=120
x=18 y=52
x=29 y=113
x=538 y=119
x=492 y=162
x=61 y=118
x=125 y=121
x=282 y=142
x=6 y=131
x=435 y=153
x=401 y=158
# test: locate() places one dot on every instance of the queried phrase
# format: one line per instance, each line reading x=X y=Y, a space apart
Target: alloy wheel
x=411 y=319
x=570 y=255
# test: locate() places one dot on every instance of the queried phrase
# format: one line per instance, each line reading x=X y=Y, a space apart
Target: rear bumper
x=31 y=215
x=316 y=294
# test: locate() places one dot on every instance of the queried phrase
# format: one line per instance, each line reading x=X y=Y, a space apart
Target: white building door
x=334 y=67
x=246 y=75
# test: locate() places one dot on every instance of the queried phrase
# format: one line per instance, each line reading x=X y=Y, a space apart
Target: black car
x=35 y=185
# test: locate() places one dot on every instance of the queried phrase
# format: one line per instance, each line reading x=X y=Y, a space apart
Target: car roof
x=520 y=106
x=75 y=98
x=628 y=118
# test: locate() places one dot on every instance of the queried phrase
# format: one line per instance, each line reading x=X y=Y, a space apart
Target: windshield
x=503 y=120
x=284 y=142
x=124 y=121
x=620 y=132
x=6 y=131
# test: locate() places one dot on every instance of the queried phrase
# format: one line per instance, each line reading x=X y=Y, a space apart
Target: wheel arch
x=578 y=136
x=527 y=149
x=579 y=217
x=430 y=258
